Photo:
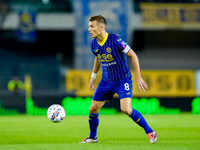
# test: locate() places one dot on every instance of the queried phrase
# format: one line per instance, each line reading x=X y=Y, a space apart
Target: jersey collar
x=104 y=40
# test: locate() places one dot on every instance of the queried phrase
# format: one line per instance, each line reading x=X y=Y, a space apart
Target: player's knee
x=93 y=110
x=126 y=110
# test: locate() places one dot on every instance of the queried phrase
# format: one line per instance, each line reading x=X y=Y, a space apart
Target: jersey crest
x=108 y=49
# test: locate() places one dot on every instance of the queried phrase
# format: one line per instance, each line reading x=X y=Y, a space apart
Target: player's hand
x=141 y=84
x=91 y=83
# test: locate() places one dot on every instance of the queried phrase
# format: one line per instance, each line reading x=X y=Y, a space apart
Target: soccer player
x=111 y=51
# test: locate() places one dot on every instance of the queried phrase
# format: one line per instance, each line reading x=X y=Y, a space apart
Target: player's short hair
x=98 y=18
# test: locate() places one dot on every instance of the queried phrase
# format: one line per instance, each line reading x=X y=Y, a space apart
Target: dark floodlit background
x=45 y=45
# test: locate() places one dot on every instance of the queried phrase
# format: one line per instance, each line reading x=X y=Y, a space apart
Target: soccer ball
x=56 y=113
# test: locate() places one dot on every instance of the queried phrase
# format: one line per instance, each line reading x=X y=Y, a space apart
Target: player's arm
x=140 y=82
x=94 y=73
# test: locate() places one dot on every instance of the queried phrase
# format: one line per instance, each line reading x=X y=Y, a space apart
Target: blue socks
x=93 y=123
x=139 y=119
x=135 y=115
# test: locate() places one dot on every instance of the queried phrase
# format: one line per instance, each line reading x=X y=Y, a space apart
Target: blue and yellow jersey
x=111 y=53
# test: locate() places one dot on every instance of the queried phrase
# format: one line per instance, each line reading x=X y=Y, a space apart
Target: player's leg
x=124 y=90
x=137 y=117
x=94 y=117
x=102 y=94
x=93 y=121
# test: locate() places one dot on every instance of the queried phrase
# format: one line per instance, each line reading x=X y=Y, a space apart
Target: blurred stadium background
x=45 y=44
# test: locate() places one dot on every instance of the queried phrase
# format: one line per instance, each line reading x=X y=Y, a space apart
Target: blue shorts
x=105 y=91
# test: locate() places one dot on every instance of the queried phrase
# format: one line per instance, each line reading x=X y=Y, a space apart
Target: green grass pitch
x=116 y=132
